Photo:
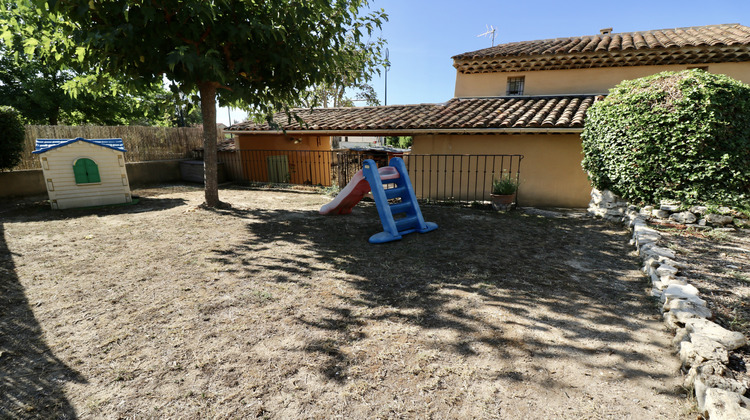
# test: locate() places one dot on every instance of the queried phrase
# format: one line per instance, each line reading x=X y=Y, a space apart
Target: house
x=525 y=98
x=82 y=173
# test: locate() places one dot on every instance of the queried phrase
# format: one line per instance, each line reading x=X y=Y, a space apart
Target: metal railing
x=462 y=178
x=442 y=177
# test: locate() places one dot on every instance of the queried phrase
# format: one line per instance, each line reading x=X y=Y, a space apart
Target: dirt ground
x=166 y=310
x=718 y=264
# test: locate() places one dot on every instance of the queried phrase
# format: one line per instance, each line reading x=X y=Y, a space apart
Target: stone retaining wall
x=703 y=345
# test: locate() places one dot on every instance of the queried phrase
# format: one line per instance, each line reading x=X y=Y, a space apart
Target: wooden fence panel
x=141 y=143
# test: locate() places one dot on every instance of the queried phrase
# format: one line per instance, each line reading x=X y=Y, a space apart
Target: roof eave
x=380 y=132
x=704 y=54
x=77 y=139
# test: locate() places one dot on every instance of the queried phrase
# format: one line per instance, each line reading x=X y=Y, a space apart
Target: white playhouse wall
x=64 y=193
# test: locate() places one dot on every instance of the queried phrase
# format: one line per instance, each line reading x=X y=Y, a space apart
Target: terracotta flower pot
x=502 y=202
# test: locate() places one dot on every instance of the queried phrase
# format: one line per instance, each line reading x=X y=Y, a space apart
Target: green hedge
x=11 y=137
x=682 y=136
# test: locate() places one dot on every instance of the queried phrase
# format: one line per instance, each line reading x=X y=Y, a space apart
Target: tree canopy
x=34 y=83
x=354 y=76
x=37 y=92
x=261 y=54
x=683 y=136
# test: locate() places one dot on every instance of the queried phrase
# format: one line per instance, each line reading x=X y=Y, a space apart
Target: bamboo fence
x=141 y=143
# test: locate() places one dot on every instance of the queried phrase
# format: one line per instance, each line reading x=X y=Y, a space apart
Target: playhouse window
x=86 y=171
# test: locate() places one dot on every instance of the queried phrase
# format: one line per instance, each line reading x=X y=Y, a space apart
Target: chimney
x=605 y=31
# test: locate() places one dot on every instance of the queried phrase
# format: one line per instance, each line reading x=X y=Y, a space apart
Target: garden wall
x=31 y=182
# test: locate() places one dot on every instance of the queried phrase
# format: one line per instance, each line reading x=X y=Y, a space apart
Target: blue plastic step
x=400 y=208
x=395 y=192
x=406 y=223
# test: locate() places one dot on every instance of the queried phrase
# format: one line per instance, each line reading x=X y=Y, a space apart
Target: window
x=515 y=85
x=86 y=171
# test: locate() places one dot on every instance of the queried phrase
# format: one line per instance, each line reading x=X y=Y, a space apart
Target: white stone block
x=667 y=281
x=698 y=209
x=670 y=207
x=652 y=250
x=719 y=219
x=660 y=214
x=666 y=270
x=724 y=405
x=698 y=326
x=679 y=291
x=683 y=217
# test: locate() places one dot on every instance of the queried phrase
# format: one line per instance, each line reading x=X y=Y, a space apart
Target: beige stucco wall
x=598 y=80
x=551 y=174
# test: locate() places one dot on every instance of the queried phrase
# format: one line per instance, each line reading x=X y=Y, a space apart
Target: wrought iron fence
x=462 y=178
x=443 y=177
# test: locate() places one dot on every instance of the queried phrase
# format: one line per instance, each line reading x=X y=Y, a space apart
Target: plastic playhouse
x=84 y=172
x=400 y=216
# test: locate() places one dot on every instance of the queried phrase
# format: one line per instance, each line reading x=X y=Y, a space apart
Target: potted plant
x=503 y=192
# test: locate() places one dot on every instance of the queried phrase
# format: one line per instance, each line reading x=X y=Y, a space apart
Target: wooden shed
x=81 y=173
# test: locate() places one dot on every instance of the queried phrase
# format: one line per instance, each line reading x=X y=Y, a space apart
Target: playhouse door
x=278 y=168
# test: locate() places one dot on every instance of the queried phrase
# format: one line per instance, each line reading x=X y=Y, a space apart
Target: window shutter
x=86 y=171
x=79 y=170
x=92 y=170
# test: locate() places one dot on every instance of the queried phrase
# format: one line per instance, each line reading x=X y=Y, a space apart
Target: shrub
x=683 y=136
x=505 y=185
x=403 y=142
x=11 y=137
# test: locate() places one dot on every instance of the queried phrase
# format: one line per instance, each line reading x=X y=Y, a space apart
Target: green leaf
x=80 y=53
x=29 y=46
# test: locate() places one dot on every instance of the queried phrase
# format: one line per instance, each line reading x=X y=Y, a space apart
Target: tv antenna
x=490 y=32
x=387 y=65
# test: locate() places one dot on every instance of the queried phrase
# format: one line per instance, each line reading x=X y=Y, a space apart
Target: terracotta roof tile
x=693 y=45
x=516 y=112
x=226 y=145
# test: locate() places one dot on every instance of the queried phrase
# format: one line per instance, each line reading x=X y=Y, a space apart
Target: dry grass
x=165 y=310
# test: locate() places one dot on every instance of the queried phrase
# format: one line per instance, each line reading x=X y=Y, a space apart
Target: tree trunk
x=210 y=176
x=53 y=116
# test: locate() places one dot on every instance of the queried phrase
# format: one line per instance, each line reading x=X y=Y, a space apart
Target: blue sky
x=423 y=35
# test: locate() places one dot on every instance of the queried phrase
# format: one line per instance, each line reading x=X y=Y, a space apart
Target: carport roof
x=561 y=113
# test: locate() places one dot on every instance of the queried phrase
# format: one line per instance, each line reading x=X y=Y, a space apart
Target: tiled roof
x=693 y=45
x=460 y=114
x=44 y=145
x=226 y=145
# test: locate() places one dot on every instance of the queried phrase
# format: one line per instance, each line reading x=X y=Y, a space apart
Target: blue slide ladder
x=410 y=219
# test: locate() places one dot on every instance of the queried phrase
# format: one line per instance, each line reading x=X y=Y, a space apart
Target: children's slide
x=354 y=191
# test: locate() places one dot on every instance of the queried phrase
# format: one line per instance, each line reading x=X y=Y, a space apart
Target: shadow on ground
x=569 y=275
x=29 y=211
x=31 y=377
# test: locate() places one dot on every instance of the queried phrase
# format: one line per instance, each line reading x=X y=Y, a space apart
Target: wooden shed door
x=278 y=168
